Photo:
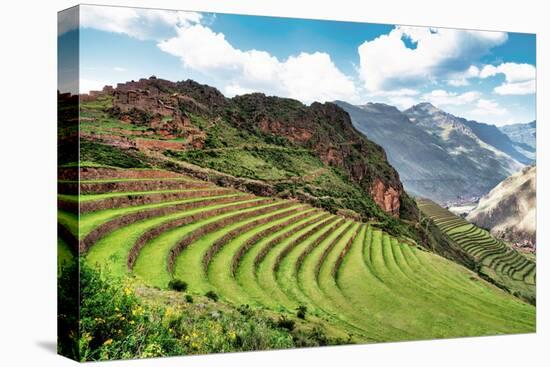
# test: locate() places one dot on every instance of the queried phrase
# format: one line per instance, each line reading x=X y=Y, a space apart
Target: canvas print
x=234 y=183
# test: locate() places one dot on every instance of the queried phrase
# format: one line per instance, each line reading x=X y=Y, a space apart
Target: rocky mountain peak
x=425 y=107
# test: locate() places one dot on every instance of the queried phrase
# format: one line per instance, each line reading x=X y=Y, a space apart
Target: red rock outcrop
x=386 y=197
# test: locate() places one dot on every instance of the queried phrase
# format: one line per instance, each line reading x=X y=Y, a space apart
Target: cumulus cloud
x=307 y=76
x=142 y=24
x=409 y=56
x=460 y=79
x=440 y=97
x=519 y=78
x=486 y=107
x=401 y=98
x=519 y=88
x=476 y=105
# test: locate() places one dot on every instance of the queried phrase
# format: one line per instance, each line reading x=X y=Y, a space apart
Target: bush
x=177 y=285
x=245 y=310
x=188 y=298
x=212 y=295
x=286 y=324
x=314 y=337
x=301 y=312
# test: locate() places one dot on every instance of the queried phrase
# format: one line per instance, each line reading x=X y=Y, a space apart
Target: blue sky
x=486 y=76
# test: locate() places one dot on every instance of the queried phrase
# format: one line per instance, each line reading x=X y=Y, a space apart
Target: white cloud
x=519 y=78
x=236 y=90
x=401 y=98
x=386 y=62
x=485 y=107
x=513 y=72
x=308 y=76
x=471 y=104
x=460 y=79
x=314 y=77
x=119 y=68
x=519 y=88
x=138 y=23
x=440 y=97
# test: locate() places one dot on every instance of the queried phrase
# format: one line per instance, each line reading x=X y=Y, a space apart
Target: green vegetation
x=64 y=255
x=212 y=295
x=309 y=277
x=495 y=260
x=268 y=163
x=97 y=107
x=297 y=172
x=111 y=156
x=119 y=319
x=177 y=285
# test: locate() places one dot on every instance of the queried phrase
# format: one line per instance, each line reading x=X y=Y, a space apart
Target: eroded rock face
x=386 y=197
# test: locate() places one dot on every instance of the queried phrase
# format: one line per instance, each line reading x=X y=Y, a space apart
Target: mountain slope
x=442 y=160
x=509 y=210
x=269 y=146
x=524 y=137
x=462 y=136
x=491 y=135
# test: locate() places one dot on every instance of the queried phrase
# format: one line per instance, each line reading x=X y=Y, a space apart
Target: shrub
x=301 y=312
x=212 y=295
x=188 y=298
x=177 y=285
x=314 y=337
x=245 y=310
x=286 y=324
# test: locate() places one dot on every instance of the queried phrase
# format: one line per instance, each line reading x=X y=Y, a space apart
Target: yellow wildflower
x=108 y=342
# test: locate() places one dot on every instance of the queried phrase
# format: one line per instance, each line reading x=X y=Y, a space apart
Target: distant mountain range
x=509 y=210
x=524 y=137
x=438 y=155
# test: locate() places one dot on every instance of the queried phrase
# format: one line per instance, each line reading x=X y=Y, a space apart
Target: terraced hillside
x=499 y=262
x=274 y=254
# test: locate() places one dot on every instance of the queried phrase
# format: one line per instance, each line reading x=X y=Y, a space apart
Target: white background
x=28 y=182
